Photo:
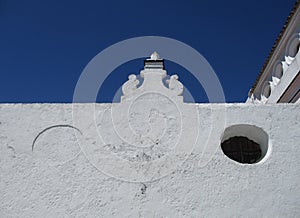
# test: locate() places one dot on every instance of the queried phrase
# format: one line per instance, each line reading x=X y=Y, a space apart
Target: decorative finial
x=130 y=86
x=174 y=85
x=154 y=56
x=154 y=62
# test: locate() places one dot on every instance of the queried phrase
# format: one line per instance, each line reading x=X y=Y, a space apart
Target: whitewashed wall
x=56 y=179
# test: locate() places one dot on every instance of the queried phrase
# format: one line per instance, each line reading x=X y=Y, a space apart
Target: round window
x=241 y=149
x=244 y=143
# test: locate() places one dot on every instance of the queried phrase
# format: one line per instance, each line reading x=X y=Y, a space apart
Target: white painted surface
x=57 y=180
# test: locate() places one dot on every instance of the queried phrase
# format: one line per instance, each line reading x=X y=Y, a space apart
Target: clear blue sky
x=45 y=45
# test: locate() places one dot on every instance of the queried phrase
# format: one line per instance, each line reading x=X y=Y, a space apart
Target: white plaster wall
x=57 y=180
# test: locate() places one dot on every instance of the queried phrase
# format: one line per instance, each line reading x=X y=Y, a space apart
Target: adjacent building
x=279 y=78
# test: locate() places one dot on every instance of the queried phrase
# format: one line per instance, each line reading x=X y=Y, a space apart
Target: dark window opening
x=241 y=149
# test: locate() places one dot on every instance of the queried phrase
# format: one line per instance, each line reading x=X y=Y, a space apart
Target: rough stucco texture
x=57 y=179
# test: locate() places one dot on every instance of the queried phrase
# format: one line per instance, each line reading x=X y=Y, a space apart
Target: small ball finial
x=154 y=56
